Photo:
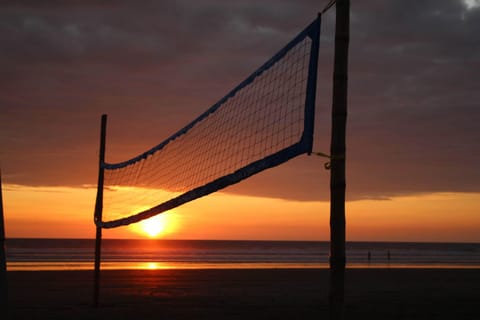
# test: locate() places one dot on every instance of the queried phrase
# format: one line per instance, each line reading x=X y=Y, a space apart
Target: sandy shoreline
x=244 y=294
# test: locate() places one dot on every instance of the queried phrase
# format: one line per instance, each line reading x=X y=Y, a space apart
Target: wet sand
x=244 y=294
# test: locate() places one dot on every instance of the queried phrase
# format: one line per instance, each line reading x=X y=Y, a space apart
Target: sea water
x=78 y=254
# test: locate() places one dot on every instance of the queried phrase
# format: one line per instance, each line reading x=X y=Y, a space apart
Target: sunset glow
x=239 y=160
x=60 y=212
x=153 y=227
x=412 y=131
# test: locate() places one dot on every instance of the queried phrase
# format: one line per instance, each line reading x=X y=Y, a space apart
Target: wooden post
x=3 y=259
x=338 y=155
x=98 y=211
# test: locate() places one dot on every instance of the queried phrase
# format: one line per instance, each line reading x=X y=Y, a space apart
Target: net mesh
x=261 y=117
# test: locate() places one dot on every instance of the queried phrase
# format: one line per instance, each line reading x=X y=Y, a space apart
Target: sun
x=154 y=226
x=157 y=226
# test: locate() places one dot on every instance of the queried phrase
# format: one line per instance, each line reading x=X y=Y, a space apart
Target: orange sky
x=412 y=131
x=59 y=212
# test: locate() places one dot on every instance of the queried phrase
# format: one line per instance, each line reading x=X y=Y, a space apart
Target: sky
x=412 y=131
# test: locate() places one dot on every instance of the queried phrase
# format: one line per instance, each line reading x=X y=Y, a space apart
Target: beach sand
x=244 y=294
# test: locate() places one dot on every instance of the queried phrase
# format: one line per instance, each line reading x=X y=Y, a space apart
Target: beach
x=370 y=293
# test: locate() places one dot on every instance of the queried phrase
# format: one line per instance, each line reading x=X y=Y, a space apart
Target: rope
x=328 y=6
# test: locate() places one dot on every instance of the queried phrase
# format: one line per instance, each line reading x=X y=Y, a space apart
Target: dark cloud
x=413 y=113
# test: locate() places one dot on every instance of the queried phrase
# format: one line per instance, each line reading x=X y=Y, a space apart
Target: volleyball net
x=265 y=121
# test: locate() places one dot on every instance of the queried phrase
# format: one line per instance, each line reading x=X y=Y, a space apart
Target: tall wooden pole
x=98 y=211
x=338 y=155
x=3 y=260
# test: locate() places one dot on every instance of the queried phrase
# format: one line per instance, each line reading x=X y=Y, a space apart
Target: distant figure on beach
x=388 y=255
x=369 y=256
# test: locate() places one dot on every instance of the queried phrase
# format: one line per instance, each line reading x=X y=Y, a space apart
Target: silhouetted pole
x=98 y=211
x=3 y=259
x=337 y=151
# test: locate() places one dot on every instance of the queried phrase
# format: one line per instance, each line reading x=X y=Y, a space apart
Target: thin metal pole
x=338 y=155
x=3 y=260
x=98 y=211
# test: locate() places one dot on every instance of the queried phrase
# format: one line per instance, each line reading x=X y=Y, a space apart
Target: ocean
x=78 y=254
